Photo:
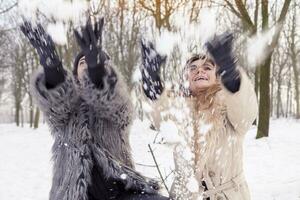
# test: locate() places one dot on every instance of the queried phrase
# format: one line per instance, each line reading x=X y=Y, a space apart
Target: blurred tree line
x=276 y=79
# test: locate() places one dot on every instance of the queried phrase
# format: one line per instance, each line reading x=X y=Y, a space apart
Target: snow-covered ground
x=272 y=164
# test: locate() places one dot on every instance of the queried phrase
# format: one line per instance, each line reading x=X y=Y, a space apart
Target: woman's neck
x=204 y=98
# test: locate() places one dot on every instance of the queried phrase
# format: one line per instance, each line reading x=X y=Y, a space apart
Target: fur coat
x=90 y=126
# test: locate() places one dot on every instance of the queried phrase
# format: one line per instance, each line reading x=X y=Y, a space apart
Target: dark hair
x=78 y=57
x=75 y=64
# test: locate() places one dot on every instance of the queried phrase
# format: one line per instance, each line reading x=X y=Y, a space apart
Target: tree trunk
x=272 y=95
x=22 y=117
x=297 y=95
x=264 y=100
x=17 y=113
x=279 y=110
x=295 y=69
x=288 y=97
x=36 y=118
x=256 y=83
x=278 y=100
x=30 y=111
x=296 y=85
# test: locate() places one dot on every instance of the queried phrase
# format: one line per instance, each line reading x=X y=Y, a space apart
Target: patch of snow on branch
x=258 y=46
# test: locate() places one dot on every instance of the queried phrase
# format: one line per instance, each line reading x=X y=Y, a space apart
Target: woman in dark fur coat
x=89 y=114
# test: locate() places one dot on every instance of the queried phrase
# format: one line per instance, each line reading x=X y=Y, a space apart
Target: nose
x=201 y=70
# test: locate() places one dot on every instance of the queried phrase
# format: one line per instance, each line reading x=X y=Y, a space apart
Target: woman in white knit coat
x=220 y=106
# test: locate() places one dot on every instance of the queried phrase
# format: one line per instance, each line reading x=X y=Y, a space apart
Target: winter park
x=149 y=100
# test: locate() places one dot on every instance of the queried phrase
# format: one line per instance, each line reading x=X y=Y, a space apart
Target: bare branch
x=232 y=9
x=160 y=174
x=142 y=3
x=8 y=9
x=283 y=14
x=244 y=13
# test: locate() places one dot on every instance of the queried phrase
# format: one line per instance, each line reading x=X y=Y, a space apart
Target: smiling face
x=82 y=65
x=201 y=74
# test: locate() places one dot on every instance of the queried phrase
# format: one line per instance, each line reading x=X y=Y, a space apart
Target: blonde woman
x=222 y=106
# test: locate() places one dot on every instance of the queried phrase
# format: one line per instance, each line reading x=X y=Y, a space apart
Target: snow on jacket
x=90 y=126
x=212 y=149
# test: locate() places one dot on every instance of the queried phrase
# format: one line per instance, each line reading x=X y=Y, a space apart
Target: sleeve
x=118 y=171
x=241 y=107
x=185 y=185
x=55 y=103
x=111 y=100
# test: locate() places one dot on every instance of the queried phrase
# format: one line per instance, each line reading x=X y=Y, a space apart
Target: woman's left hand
x=90 y=42
x=220 y=48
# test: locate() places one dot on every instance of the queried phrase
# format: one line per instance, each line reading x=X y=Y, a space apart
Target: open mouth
x=200 y=78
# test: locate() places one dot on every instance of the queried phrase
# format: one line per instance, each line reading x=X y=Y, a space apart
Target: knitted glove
x=90 y=42
x=49 y=59
x=220 y=48
x=151 y=63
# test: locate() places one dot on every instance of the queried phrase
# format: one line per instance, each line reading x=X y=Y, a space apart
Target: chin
x=202 y=85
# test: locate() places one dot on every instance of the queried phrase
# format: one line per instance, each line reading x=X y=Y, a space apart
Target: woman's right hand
x=45 y=47
x=43 y=43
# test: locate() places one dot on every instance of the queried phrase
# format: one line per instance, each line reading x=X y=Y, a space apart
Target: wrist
x=48 y=62
x=231 y=80
x=94 y=59
x=96 y=75
x=54 y=76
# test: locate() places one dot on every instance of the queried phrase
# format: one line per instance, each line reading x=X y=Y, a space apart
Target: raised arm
x=150 y=69
x=241 y=106
x=52 y=88
x=102 y=86
x=239 y=96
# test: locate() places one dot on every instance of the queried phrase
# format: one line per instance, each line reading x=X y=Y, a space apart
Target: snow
x=185 y=37
x=257 y=46
x=169 y=132
x=166 y=42
x=62 y=11
x=272 y=165
x=58 y=33
x=123 y=176
x=136 y=76
x=25 y=168
x=204 y=128
x=192 y=184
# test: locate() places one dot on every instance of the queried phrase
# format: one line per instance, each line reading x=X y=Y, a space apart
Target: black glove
x=118 y=171
x=220 y=48
x=90 y=42
x=138 y=183
x=151 y=63
x=49 y=59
